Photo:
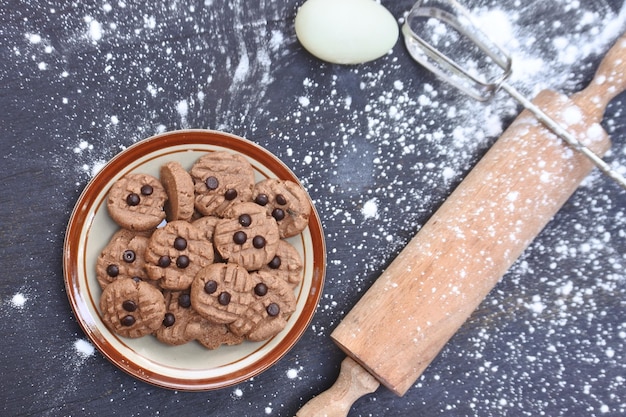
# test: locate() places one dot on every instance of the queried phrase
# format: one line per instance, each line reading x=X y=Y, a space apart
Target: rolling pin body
x=433 y=286
x=404 y=320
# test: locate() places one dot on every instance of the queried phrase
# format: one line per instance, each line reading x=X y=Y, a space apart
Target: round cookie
x=180 y=191
x=123 y=257
x=286 y=264
x=247 y=236
x=221 y=179
x=183 y=324
x=207 y=225
x=136 y=202
x=175 y=254
x=132 y=308
x=179 y=316
x=212 y=335
x=274 y=301
x=287 y=202
x=222 y=293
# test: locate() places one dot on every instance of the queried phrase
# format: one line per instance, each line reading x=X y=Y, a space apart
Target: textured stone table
x=378 y=146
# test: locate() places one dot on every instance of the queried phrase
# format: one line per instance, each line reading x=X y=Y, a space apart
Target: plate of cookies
x=194 y=260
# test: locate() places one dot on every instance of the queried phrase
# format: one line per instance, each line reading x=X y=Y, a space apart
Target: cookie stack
x=202 y=254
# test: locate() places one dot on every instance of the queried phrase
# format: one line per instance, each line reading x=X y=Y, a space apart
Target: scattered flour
x=95 y=29
x=370 y=209
x=83 y=348
x=18 y=300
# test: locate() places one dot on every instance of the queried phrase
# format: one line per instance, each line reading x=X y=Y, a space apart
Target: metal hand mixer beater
x=479 y=78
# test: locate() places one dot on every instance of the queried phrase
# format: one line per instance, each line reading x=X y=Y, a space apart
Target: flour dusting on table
x=18 y=300
x=560 y=289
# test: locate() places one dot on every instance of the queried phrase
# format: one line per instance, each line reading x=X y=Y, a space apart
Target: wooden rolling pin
x=412 y=310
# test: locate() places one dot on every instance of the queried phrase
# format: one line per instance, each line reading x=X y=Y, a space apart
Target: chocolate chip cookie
x=274 y=301
x=221 y=179
x=136 y=202
x=247 y=236
x=222 y=292
x=122 y=257
x=132 y=308
x=287 y=202
x=286 y=264
x=175 y=254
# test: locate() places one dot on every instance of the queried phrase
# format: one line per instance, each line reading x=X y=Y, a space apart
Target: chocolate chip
x=182 y=261
x=262 y=199
x=258 y=242
x=180 y=243
x=278 y=214
x=137 y=279
x=113 y=270
x=275 y=262
x=230 y=194
x=169 y=320
x=129 y=256
x=129 y=305
x=260 y=289
x=164 y=261
x=280 y=199
x=147 y=190
x=128 y=320
x=132 y=199
x=223 y=298
x=210 y=287
x=212 y=183
x=184 y=300
x=245 y=220
x=240 y=237
x=273 y=310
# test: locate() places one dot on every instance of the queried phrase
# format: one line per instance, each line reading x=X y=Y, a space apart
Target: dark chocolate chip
x=182 y=261
x=129 y=256
x=280 y=199
x=164 y=261
x=137 y=279
x=210 y=287
x=128 y=320
x=223 y=298
x=240 y=237
x=258 y=242
x=180 y=243
x=169 y=320
x=260 y=289
x=230 y=194
x=273 y=310
x=278 y=214
x=133 y=199
x=113 y=270
x=275 y=262
x=261 y=199
x=129 y=305
x=212 y=183
x=184 y=300
x=245 y=220
x=147 y=190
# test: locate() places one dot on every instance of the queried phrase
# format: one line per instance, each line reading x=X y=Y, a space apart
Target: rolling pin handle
x=352 y=383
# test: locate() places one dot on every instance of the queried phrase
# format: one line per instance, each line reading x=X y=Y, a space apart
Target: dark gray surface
x=549 y=340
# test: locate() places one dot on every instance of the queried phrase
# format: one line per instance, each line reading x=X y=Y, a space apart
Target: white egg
x=346 y=31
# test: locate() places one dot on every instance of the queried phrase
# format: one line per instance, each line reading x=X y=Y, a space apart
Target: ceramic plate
x=191 y=366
